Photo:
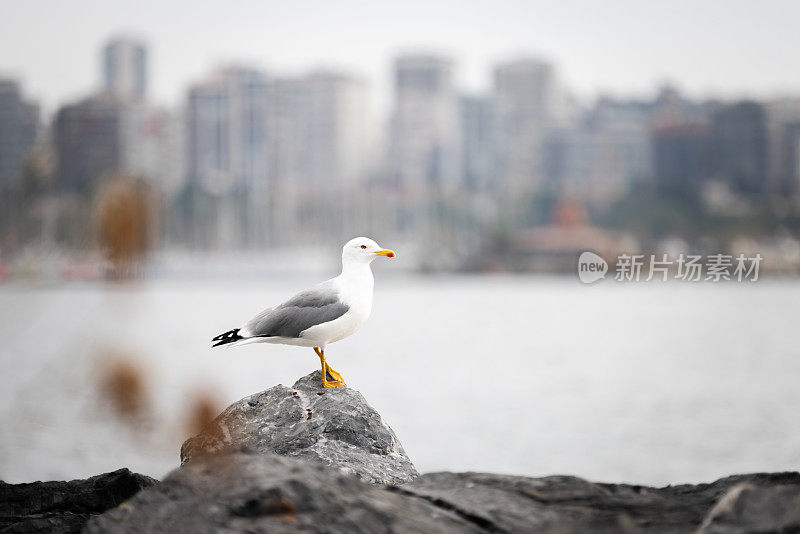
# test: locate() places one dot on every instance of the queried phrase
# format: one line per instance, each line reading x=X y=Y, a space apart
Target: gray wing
x=306 y=309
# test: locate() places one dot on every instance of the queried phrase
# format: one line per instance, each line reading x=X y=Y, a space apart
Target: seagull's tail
x=230 y=336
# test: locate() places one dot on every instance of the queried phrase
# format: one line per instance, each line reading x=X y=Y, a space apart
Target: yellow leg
x=337 y=381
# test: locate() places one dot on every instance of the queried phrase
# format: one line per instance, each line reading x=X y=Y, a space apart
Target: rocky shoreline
x=310 y=459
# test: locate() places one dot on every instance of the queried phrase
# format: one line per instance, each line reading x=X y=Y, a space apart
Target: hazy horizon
x=724 y=49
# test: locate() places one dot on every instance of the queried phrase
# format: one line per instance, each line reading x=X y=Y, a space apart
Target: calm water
x=645 y=383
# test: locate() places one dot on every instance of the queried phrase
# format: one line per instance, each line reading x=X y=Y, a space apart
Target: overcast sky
x=729 y=48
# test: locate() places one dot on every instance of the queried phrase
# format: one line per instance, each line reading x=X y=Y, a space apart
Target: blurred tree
x=124 y=223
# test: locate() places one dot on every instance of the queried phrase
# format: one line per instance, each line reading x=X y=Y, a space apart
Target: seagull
x=321 y=315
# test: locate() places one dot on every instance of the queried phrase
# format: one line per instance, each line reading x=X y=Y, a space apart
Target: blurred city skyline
x=523 y=174
x=729 y=50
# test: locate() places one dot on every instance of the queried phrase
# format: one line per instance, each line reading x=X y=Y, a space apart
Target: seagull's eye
x=363 y=246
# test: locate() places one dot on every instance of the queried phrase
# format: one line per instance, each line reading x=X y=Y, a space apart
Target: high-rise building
x=227 y=131
x=152 y=146
x=88 y=142
x=424 y=144
x=682 y=157
x=476 y=121
x=681 y=138
x=320 y=152
x=273 y=151
x=791 y=158
x=739 y=145
x=321 y=125
x=19 y=122
x=599 y=161
x=125 y=69
x=528 y=105
x=227 y=154
x=116 y=132
x=621 y=149
x=102 y=136
x=783 y=127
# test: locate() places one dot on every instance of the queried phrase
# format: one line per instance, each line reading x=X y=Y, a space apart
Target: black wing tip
x=228 y=337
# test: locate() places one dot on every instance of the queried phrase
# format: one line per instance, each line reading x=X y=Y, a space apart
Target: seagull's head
x=363 y=250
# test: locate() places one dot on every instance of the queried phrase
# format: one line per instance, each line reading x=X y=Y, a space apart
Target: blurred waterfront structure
x=257 y=160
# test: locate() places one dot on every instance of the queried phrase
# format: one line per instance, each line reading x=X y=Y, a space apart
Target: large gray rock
x=267 y=493
x=333 y=426
x=64 y=507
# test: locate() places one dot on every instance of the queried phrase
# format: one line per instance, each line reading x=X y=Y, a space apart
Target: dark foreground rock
x=314 y=460
x=269 y=493
x=570 y=504
x=333 y=426
x=749 y=508
x=62 y=507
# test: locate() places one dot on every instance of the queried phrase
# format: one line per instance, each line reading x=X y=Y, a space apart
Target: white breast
x=355 y=290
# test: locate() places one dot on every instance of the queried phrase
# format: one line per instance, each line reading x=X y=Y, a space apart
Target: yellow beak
x=385 y=252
